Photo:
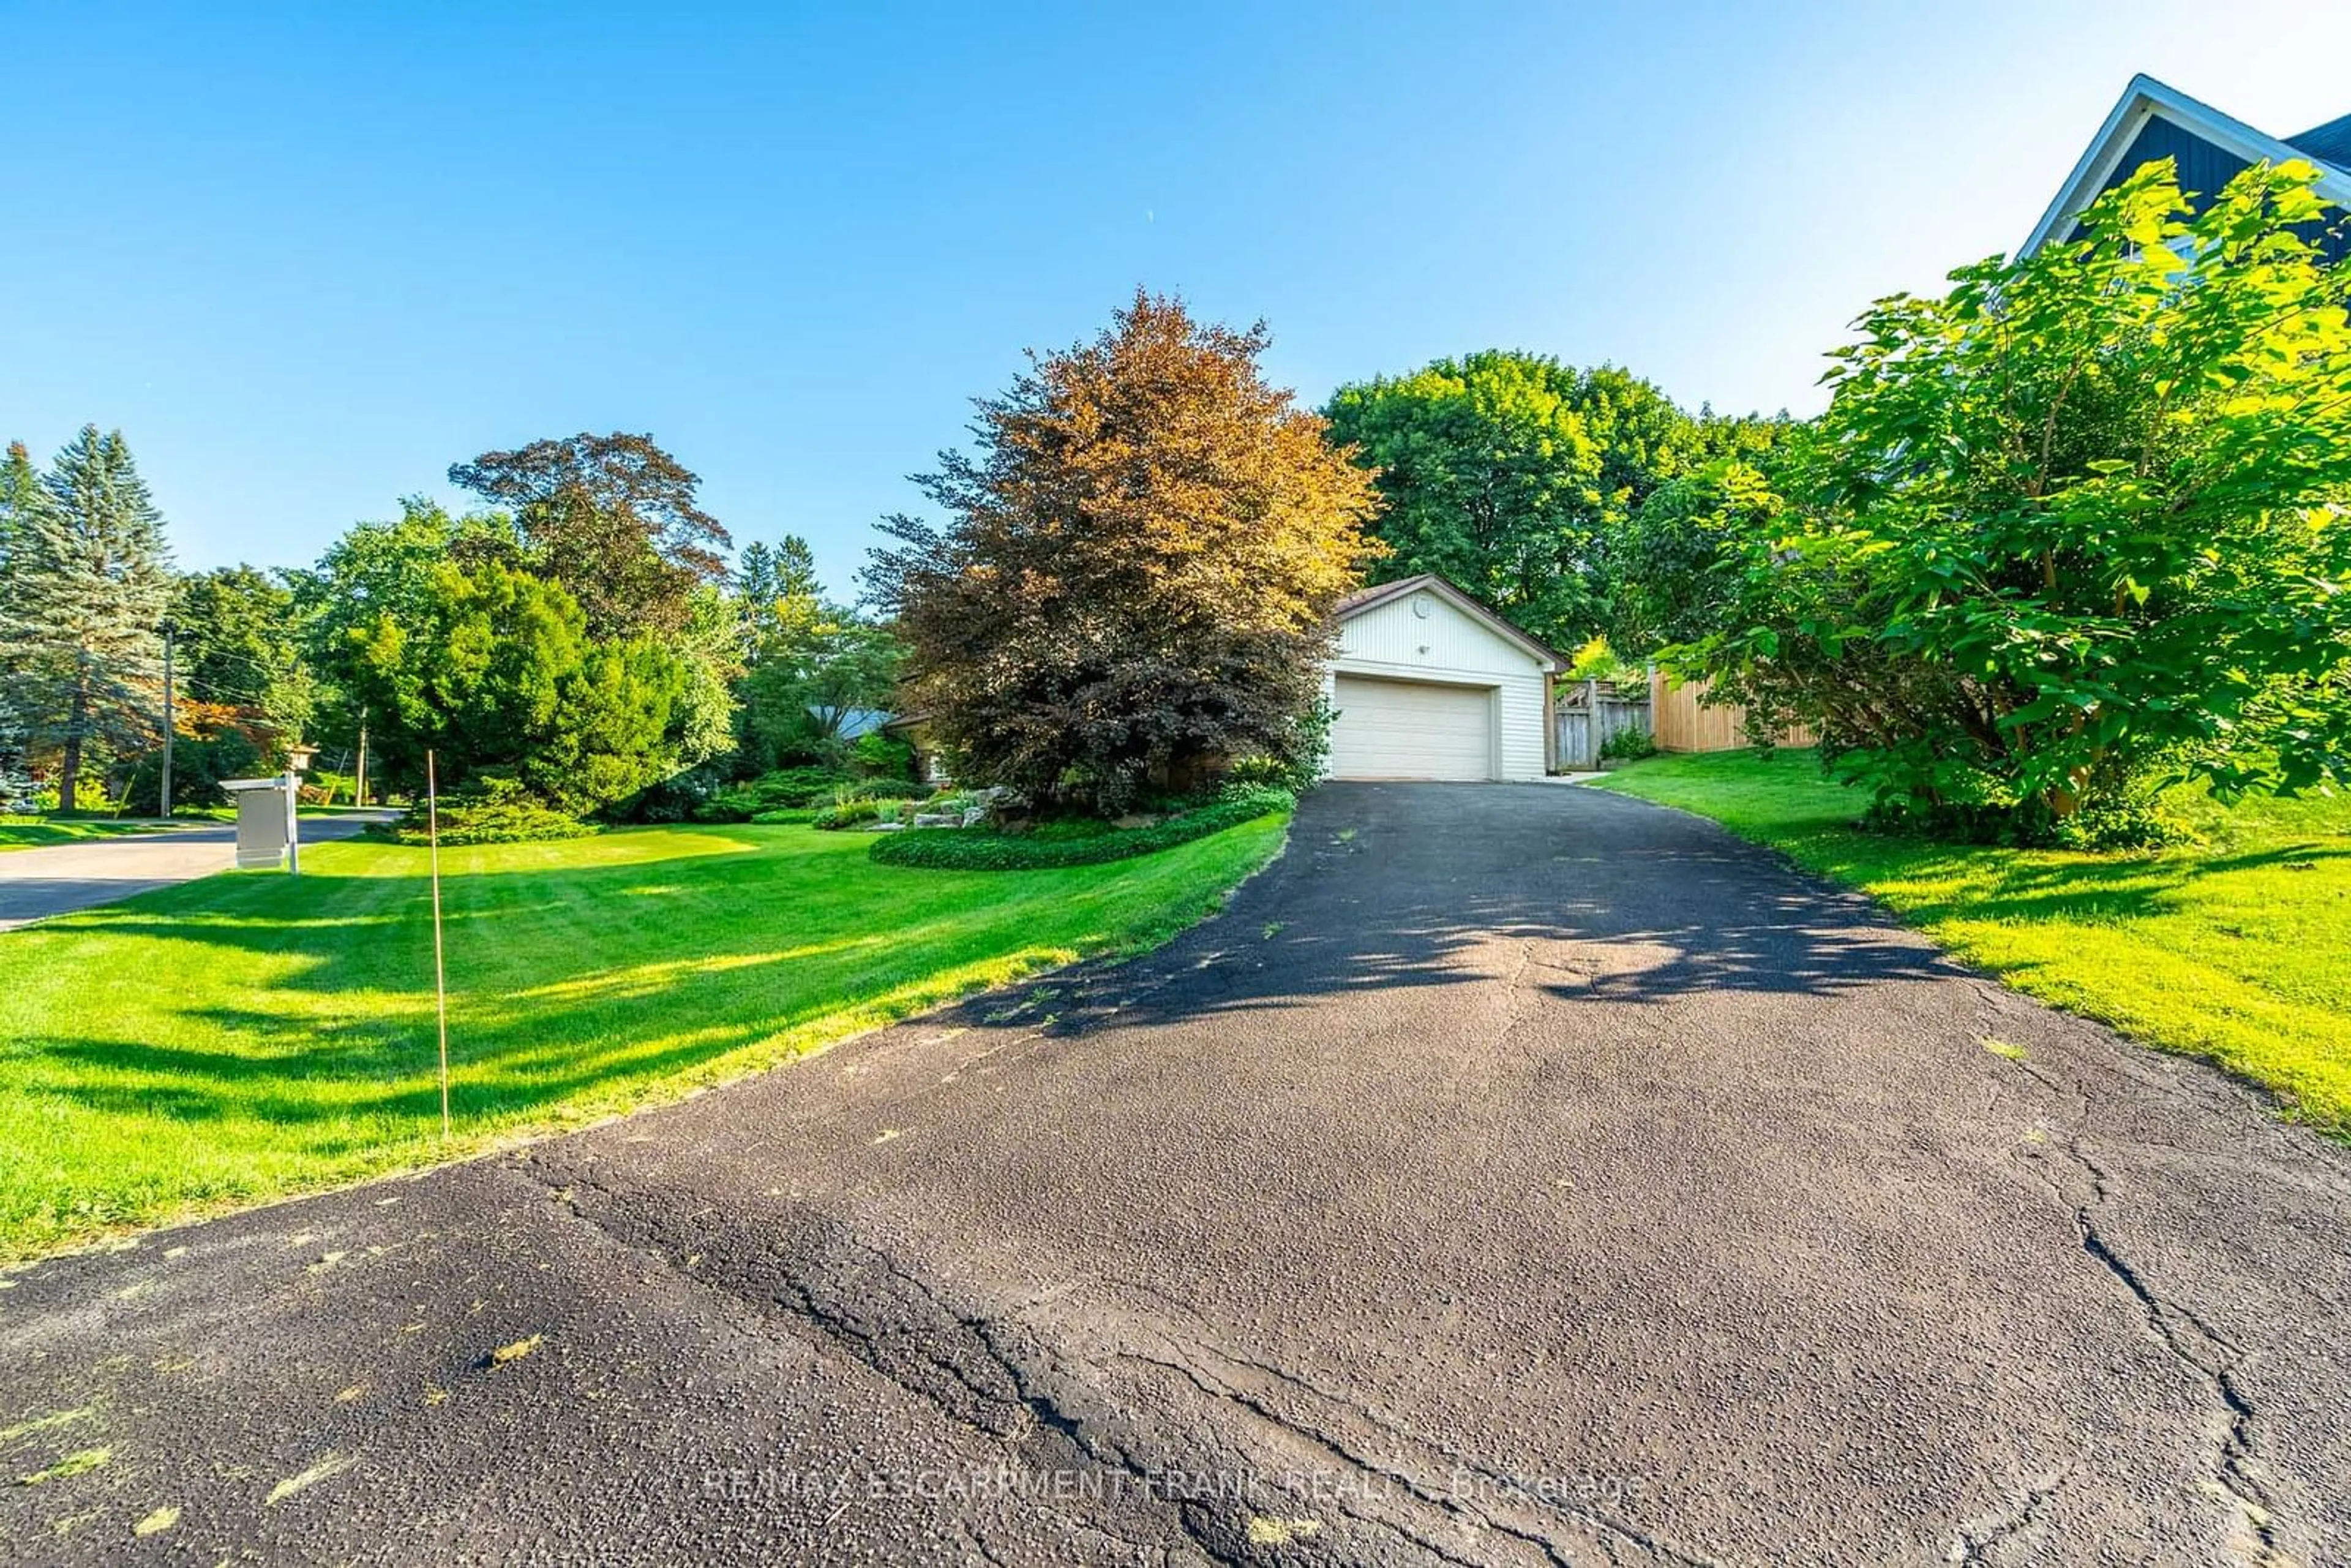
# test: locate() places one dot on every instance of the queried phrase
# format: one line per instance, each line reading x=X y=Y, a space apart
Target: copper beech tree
x=1136 y=572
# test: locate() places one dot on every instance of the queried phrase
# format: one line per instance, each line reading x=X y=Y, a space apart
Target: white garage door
x=1408 y=729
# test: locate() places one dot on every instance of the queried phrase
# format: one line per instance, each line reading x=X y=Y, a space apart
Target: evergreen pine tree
x=19 y=488
x=778 y=592
x=16 y=783
x=89 y=577
x=755 y=574
x=795 y=569
x=20 y=495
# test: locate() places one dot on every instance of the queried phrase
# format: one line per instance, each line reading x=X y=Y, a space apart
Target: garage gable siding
x=1449 y=645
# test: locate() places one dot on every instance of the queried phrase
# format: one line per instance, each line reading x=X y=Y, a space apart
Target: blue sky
x=308 y=257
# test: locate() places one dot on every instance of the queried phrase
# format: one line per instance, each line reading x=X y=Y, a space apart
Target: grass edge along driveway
x=249 y=1036
x=2232 y=949
x=47 y=832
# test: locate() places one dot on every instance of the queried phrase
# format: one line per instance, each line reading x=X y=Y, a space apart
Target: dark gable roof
x=2153 y=119
x=1381 y=593
x=2329 y=144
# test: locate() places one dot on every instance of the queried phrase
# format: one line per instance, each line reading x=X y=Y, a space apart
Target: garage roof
x=1381 y=593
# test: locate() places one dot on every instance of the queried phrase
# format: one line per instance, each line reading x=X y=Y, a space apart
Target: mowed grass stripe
x=250 y=1035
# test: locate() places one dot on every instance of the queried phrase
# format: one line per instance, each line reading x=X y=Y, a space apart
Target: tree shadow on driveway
x=1400 y=887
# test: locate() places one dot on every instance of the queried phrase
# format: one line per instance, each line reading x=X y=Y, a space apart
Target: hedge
x=974 y=849
x=492 y=821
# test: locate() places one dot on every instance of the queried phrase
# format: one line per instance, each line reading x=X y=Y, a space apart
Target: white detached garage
x=1431 y=683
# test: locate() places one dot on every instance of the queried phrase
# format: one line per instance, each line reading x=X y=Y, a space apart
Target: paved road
x=37 y=883
x=1509 y=1176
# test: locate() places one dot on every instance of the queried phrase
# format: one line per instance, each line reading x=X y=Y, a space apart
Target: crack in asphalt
x=2231 y=1471
x=1185 y=1359
x=1339 y=1448
x=2230 y=1466
x=891 y=1321
x=966 y=1366
x=1979 y=1538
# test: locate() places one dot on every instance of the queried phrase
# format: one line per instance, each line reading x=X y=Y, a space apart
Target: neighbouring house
x=914 y=728
x=2154 y=120
x=1431 y=683
x=849 y=723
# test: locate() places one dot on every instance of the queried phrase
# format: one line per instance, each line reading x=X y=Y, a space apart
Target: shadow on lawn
x=1998 y=884
x=1384 y=886
x=539 y=1013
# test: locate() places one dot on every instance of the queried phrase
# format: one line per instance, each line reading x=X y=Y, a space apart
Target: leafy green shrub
x=1629 y=746
x=1596 y=661
x=1977 y=806
x=975 y=849
x=785 y=816
x=782 y=789
x=1064 y=830
x=880 y=790
x=673 y=799
x=493 y=811
x=851 y=813
x=2125 y=825
x=2074 y=527
x=1297 y=765
x=198 y=765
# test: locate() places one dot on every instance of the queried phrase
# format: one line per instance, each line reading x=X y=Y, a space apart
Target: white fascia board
x=2144 y=100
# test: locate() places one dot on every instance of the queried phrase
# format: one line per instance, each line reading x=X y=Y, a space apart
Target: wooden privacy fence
x=1588 y=715
x=1683 y=720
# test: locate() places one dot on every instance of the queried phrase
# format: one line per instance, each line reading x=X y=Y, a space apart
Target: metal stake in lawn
x=440 y=980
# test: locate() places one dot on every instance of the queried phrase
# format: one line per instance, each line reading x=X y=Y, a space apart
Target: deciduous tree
x=2077 y=526
x=613 y=518
x=809 y=678
x=237 y=642
x=1507 y=473
x=1137 y=568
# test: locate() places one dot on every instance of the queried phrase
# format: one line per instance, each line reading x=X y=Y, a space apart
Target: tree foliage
x=497 y=672
x=810 y=664
x=88 y=577
x=613 y=518
x=237 y=642
x=807 y=682
x=20 y=493
x=1138 y=567
x=778 y=589
x=1508 y=473
x=2076 y=526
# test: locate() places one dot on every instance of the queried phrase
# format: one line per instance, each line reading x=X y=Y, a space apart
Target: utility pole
x=167 y=719
x=359 y=786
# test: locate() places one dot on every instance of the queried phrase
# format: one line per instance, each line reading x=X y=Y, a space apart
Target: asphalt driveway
x=1510 y=1175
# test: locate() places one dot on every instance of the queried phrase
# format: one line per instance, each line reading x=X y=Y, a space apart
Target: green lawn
x=2237 y=949
x=40 y=832
x=252 y=1035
